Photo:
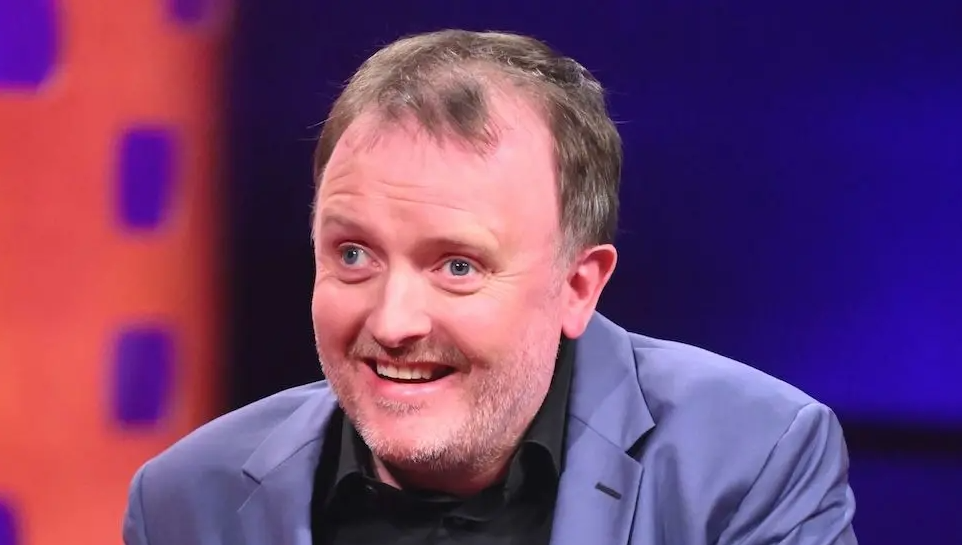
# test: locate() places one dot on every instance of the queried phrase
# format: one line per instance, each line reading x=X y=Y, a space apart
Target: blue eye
x=459 y=267
x=351 y=255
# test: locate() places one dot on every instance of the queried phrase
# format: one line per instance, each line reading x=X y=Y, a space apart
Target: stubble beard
x=495 y=414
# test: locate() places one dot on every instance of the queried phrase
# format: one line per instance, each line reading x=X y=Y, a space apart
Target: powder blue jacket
x=666 y=444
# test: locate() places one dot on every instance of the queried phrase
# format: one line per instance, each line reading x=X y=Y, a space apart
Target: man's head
x=466 y=206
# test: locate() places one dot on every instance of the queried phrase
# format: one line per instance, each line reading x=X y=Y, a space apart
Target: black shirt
x=351 y=507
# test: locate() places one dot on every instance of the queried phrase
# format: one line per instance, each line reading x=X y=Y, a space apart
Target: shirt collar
x=548 y=427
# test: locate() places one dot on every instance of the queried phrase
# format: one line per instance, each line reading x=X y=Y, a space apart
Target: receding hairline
x=493 y=83
x=365 y=128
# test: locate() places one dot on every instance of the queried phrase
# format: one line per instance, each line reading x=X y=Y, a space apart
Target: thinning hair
x=444 y=80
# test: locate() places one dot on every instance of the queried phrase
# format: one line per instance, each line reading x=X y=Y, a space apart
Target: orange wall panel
x=109 y=348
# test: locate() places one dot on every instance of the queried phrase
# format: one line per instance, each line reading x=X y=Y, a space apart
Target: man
x=464 y=219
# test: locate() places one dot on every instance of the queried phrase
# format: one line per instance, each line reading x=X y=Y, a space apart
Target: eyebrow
x=458 y=245
x=334 y=220
x=339 y=220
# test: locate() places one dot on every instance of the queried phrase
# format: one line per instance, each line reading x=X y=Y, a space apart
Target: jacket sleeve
x=802 y=495
x=134 y=526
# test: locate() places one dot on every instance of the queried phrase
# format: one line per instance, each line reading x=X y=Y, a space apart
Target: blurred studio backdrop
x=792 y=198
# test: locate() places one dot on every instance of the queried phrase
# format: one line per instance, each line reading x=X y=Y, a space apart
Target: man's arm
x=801 y=496
x=135 y=531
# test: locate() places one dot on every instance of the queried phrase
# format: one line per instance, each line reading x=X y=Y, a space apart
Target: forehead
x=402 y=164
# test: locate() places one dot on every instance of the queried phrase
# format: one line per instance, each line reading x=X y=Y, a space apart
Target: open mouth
x=409 y=373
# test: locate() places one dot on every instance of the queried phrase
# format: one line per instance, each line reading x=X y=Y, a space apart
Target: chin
x=409 y=441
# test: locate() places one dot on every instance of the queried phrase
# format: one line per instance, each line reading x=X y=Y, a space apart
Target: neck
x=459 y=482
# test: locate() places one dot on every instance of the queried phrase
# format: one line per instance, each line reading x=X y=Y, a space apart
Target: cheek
x=335 y=319
x=493 y=321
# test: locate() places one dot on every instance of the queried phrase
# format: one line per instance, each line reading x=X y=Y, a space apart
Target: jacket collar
x=605 y=393
x=607 y=419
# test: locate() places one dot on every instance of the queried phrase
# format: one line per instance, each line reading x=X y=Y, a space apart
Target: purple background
x=792 y=197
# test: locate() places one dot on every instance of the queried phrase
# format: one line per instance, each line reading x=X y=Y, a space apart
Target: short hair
x=443 y=80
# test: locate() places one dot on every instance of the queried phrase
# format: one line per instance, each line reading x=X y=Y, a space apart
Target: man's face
x=439 y=298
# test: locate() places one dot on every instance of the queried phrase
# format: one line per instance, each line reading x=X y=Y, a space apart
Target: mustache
x=424 y=350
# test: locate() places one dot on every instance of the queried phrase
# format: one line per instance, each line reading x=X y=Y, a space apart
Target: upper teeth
x=404 y=372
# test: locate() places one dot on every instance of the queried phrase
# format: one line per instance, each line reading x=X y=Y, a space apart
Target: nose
x=400 y=317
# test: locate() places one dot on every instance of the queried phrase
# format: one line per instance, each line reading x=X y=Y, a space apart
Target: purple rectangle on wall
x=28 y=42
x=146 y=176
x=8 y=524
x=143 y=375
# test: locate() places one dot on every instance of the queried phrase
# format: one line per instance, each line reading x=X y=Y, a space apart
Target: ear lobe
x=588 y=277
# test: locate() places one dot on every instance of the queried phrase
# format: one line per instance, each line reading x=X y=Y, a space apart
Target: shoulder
x=722 y=429
x=716 y=404
x=210 y=459
x=188 y=489
x=229 y=440
x=714 y=407
x=719 y=424
x=684 y=381
x=734 y=447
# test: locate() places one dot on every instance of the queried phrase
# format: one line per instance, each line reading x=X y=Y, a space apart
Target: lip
x=409 y=393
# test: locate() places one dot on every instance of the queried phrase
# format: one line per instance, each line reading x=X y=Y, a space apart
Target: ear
x=587 y=277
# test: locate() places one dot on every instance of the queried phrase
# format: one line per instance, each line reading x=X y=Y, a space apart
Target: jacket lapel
x=278 y=511
x=608 y=415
